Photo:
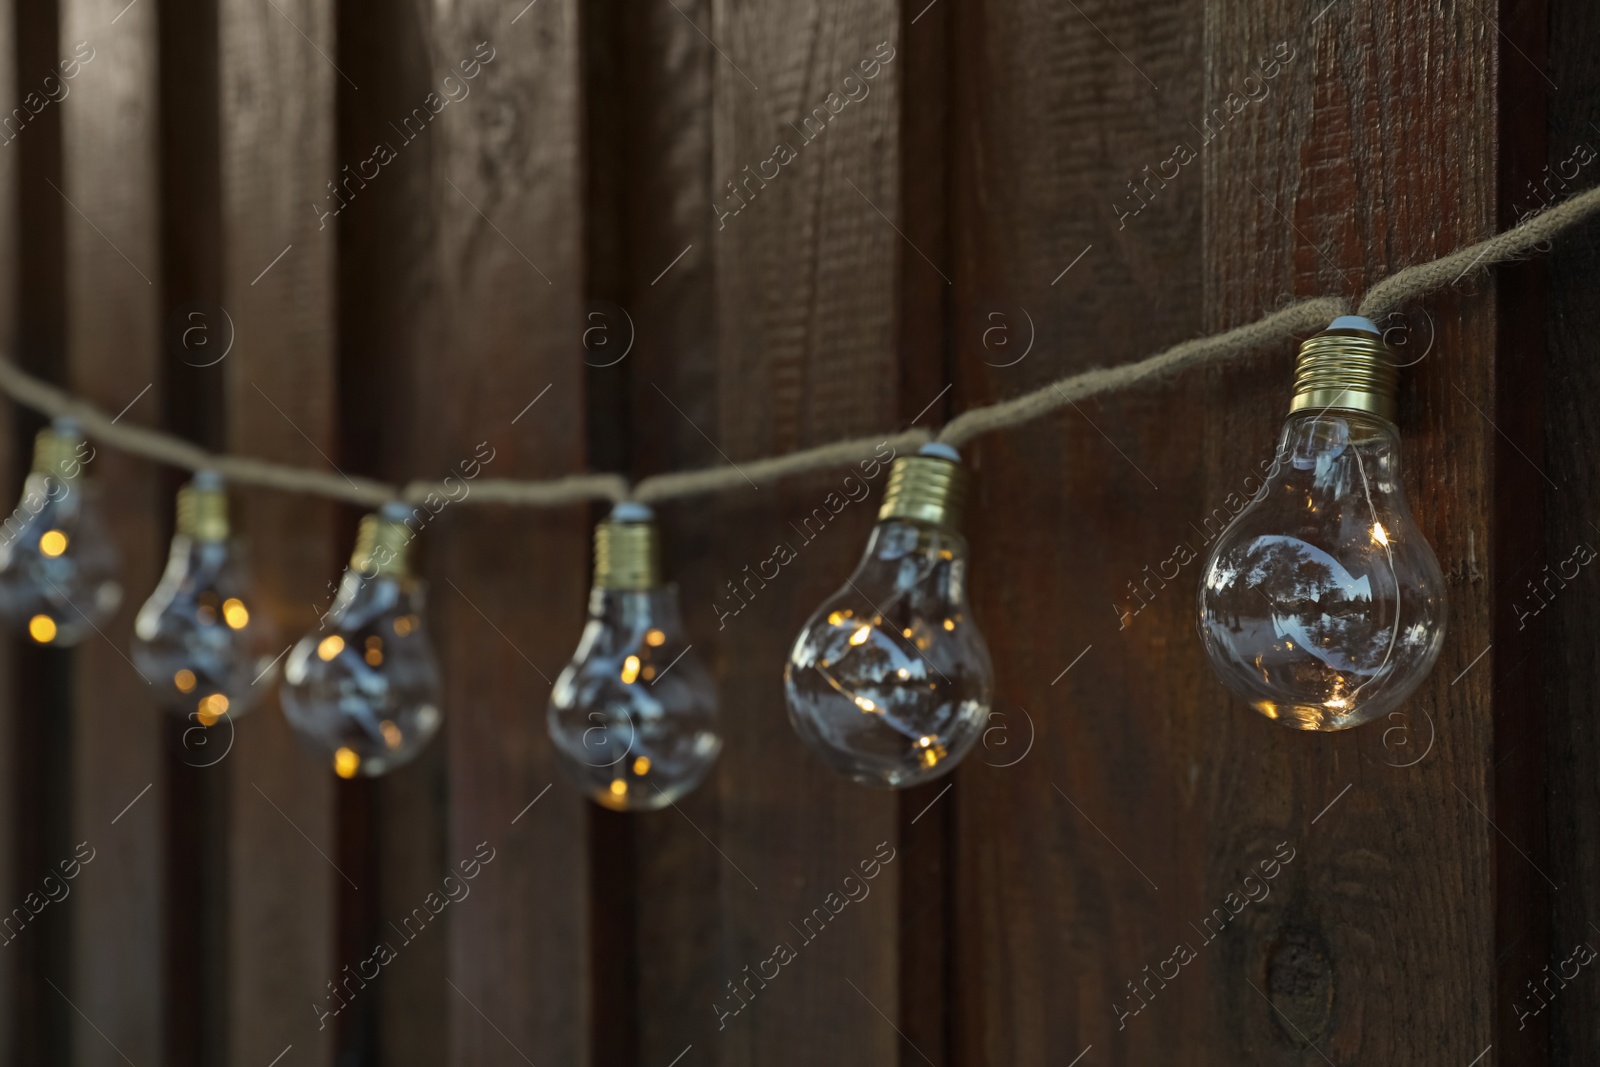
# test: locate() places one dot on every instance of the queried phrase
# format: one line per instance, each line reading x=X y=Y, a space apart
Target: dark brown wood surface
x=1392 y=885
x=13 y=978
x=277 y=152
x=508 y=586
x=989 y=216
x=1570 y=624
x=109 y=145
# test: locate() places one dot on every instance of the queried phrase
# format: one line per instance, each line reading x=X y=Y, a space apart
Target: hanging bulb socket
x=627 y=549
x=929 y=487
x=1348 y=367
x=203 y=508
x=55 y=450
x=383 y=543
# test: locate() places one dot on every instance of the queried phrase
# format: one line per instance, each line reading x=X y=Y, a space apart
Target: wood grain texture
x=509 y=588
x=806 y=282
x=1390 y=890
x=650 y=79
x=1572 y=664
x=395 y=826
x=12 y=806
x=109 y=142
x=1075 y=859
x=277 y=153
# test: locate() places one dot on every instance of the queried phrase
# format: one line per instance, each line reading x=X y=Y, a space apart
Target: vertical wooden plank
x=1572 y=666
x=1395 y=880
x=806 y=293
x=11 y=709
x=509 y=586
x=658 y=927
x=109 y=138
x=44 y=1021
x=1082 y=801
x=277 y=153
x=394 y=827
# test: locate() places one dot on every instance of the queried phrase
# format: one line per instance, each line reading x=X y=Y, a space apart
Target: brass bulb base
x=627 y=555
x=203 y=512
x=383 y=544
x=928 y=489
x=55 y=451
x=1350 y=370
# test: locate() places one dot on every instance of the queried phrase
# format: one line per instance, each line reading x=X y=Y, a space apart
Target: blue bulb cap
x=1355 y=322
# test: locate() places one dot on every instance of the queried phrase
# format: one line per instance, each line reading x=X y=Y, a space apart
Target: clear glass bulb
x=634 y=715
x=58 y=563
x=1321 y=605
x=199 y=639
x=363 y=688
x=890 y=681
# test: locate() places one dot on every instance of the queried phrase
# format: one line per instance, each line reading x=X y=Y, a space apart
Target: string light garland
x=1354 y=622
x=1302 y=317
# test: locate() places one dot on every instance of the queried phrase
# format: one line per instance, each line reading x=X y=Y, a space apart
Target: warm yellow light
x=42 y=628
x=860 y=636
x=949 y=624
x=906 y=632
x=404 y=625
x=1379 y=534
x=53 y=543
x=655 y=638
x=234 y=613
x=619 y=788
x=373 y=657
x=903 y=674
x=630 y=670
x=834 y=618
x=346 y=763
x=865 y=704
x=211 y=708
x=184 y=680
x=328 y=648
x=648 y=673
x=391 y=734
x=641 y=766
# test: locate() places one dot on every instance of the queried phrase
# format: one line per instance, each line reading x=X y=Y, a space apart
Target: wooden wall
x=577 y=258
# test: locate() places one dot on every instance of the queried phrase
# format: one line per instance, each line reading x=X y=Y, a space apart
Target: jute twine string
x=1302 y=317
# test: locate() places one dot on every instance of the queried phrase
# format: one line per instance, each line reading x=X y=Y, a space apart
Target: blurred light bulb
x=363 y=688
x=634 y=715
x=1322 y=605
x=890 y=680
x=58 y=563
x=196 y=639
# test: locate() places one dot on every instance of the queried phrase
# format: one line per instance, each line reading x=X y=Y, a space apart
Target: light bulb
x=1321 y=605
x=634 y=715
x=200 y=639
x=363 y=688
x=890 y=680
x=58 y=564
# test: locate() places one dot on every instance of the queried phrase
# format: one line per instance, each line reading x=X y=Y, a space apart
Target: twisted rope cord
x=1302 y=317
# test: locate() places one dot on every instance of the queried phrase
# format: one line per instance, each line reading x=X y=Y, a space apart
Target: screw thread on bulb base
x=382 y=546
x=627 y=555
x=1348 y=369
x=927 y=489
x=55 y=452
x=203 y=513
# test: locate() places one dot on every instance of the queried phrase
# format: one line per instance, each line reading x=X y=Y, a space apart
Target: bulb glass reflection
x=1322 y=605
x=58 y=563
x=200 y=639
x=890 y=681
x=634 y=715
x=363 y=688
